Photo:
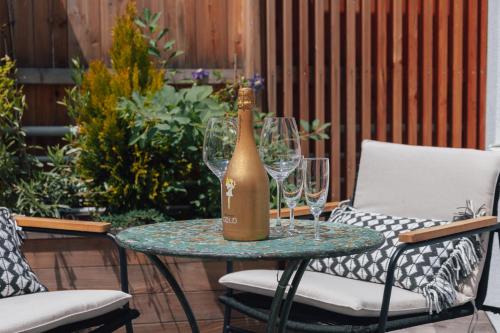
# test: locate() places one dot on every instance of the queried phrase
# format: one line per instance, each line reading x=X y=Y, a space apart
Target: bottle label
x=230 y=185
x=230 y=220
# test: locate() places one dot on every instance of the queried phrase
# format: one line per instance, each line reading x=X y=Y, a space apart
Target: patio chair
x=69 y=310
x=395 y=180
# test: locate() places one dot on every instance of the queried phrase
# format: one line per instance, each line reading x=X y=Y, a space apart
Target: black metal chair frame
x=309 y=319
x=110 y=321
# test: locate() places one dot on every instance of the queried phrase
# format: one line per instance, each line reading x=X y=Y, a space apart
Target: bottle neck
x=245 y=121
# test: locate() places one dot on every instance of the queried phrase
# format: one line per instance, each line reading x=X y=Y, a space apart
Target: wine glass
x=316 y=181
x=292 y=192
x=280 y=151
x=218 y=146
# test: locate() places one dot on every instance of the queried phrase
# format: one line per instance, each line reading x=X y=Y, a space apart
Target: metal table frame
x=281 y=305
x=282 y=301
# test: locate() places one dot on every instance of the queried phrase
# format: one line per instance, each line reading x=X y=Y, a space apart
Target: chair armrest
x=303 y=210
x=424 y=234
x=67 y=225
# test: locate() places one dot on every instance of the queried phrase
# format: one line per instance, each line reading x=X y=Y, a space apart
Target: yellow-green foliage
x=14 y=161
x=107 y=161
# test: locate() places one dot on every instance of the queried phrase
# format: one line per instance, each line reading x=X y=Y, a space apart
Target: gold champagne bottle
x=245 y=197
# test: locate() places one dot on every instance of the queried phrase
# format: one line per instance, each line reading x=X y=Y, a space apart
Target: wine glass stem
x=316 y=228
x=220 y=226
x=278 y=193
x=292 y=219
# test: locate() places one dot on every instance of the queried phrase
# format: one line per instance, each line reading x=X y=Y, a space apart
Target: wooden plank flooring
x=453 y=326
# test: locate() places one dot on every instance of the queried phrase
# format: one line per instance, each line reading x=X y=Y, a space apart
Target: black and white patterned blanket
x=16 y=276
x=434 y=271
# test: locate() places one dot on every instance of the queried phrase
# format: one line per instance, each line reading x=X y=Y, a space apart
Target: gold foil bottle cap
x=246 y=98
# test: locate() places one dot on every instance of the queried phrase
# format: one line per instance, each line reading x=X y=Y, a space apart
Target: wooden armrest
x=424 y=234
x=56 y=224
x=302 y=210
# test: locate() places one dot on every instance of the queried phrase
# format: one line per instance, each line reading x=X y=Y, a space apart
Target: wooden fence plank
x=412 y=72
x=42 y=31
x=351 y=94
x=304 y=71
x=382 y=70
x=335 y=144
x=59 y=33
x=252 y=38
x=471 y=79
x=287 y=59
x=319 y=69
x=234 y=32
x=366 y=69
x=271 y=55
x=397 y=71
x=84 y=26
x=442 y=75
x=24 y=32
x=457 y=72
x=483 y=40
x=211 y=32
x=427 y=71
x=5 y=42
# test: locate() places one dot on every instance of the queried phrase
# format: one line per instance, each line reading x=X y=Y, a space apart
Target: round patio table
x=201 y=239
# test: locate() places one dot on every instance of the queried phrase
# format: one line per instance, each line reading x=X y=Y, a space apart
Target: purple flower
x=200 y=74
x=257 y=82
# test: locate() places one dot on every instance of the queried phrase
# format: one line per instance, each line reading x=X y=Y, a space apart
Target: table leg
x=287 y=306
x=279 y=295
x=177 y=290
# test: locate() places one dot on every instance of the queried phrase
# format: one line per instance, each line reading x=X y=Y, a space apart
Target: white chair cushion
x=424 y=182
x=333 y=293
x=44 y=311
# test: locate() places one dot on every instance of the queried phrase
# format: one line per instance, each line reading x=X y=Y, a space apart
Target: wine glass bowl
x=219 y=143
x=218 y=146
x=280 y=152
x=292 y=192
x=316 y=183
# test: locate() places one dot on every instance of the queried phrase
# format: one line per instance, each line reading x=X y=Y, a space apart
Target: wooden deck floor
x=454 y=326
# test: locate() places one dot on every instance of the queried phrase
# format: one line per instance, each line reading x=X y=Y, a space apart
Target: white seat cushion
x=44 y=311
x=333 y=293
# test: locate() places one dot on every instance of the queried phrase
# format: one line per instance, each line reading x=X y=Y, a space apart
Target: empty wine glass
x=292 y=192
x=280 y=151
x=218 y=146
x=316 y=181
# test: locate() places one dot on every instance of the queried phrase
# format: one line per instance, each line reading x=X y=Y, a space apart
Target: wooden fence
x=44 y=35
x=408 y=71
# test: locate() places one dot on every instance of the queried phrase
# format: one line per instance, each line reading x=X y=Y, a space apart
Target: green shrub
x=134 y=218
x=15 y=162
x=107 y=161
x=52 y=187
x=167 y=127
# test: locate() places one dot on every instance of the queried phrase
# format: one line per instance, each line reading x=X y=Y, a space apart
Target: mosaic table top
x=201 y=239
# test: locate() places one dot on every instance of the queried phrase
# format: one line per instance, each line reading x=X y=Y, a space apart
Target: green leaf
x=140 y=23
x=315 y=124
x=305 y=125
x=198 y=93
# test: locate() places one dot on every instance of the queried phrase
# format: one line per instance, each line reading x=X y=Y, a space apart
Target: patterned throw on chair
x=434 y=271
x=16 y=276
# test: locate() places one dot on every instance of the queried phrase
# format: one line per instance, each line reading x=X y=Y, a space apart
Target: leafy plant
x=168 y=127
x=134 y=218
x=107 y=162
x=158 y=47
x=15 y=162
x=53 y=186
